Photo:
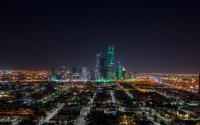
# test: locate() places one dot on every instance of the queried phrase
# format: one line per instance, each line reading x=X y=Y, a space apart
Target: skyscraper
x=98 y=67
x=124 y=71
x=53 y=74
x=63 y=72
x=119 y=70
x=92 y=75
x=74 y=70
x=111 y=72
x=110 y=54
x=103 y=67
x=85 y=73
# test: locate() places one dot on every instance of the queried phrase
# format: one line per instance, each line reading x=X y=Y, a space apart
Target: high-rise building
x=119 y=70
x=74 y=70
x=103 y=67
x=124 y=71
x=92 y=75
x=110 y=54
x=111 y=72
x=98 y=67
x=63 y=72
x=85 y=72
x=53 y=74
x=80 y=73
x=134 y=74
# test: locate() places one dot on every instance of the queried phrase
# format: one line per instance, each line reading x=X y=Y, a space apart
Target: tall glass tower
x=98 y=66
x=119 y=70
x=110 y=54
x=63 y=72
x=103 y=65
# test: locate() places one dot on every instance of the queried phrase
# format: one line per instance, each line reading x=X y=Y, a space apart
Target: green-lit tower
x=111 y=70
x=119 y=70
x=110 y=54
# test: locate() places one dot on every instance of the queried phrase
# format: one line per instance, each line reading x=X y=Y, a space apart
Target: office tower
x=119 y=70
x=85 y=72
x=134 y=74
x=63 y=72
x=80 y=73
x=111 y=72
x=76 y=76
x=98 y=68
x=103 y=67
x=74 y=70
x=123 y=71
x=130 y=75
x=92 y=75
x=110 y=54
x=53 y=72
x=68 y=72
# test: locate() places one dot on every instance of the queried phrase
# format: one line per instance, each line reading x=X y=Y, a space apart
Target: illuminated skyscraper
x=124 y=71
x=98 y=67
x=119 y=70
x=53 y=74
x=85 y=73
x=111 y=72
x=110 y=54
x=92 y=75
x=103 y=67
x=63 y=72
x=74 y=70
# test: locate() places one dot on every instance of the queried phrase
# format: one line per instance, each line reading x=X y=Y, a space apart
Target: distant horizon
x=92 y=70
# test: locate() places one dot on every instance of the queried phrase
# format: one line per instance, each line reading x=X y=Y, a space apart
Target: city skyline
x=148 y=36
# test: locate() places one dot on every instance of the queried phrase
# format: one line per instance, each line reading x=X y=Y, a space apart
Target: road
x=149 y=117
x=92 y=99
x=113 y=97
x=80 y=120
x=143 y=109
x=50 y=115
x=128 y=93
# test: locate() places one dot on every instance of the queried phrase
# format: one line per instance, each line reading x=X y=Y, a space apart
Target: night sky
x=149 y=36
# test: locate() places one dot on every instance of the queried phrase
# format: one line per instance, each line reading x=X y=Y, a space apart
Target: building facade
x=103 y=67
x=63 y=72
x=110 y=54
x=98 y=67
x=119 y=70
x=85 y=73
